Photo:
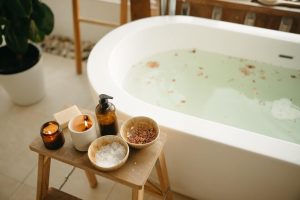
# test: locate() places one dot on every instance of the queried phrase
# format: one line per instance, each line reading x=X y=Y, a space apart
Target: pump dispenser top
x=106 y=116
x=103 y=101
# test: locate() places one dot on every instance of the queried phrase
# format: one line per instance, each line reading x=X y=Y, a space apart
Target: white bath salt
x=110 y=155
x=285 y=109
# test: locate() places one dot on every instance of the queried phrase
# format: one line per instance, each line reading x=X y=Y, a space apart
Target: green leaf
x=15 y=9
x=1 y=37
x=3 y=20
x=43 y=18
x=16 y=35
x=15 y=42
x=1 y=3
x=34 y=34
x=27 y=6
x=24 y=20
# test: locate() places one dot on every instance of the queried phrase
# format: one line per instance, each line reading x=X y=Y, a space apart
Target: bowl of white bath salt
x=108 y=152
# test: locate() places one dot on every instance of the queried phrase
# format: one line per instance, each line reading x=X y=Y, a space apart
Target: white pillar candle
x=83 y=131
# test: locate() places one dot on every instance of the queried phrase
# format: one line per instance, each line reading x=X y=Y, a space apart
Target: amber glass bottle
x=106 y=116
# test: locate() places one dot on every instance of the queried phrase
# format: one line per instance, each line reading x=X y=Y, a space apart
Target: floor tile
x=120 y=192
x=63 y=86
x=17 y=163
x=124 y=192
x=78 y=186
x=8 y=186
x=24 y=192
x=177 y=196
x=58 y=173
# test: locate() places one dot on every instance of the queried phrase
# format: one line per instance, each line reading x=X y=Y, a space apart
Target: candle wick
x=86 y=118
x=86 y=124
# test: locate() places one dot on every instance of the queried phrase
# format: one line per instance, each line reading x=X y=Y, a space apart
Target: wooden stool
x=134 y=173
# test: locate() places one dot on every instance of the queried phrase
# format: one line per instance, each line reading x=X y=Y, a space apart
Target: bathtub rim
x=232 y=136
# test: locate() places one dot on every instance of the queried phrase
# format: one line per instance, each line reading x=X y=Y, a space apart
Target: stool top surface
x=133 y=173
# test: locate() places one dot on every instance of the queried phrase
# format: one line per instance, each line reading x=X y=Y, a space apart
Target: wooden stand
x=76 y=24
x=134 y=173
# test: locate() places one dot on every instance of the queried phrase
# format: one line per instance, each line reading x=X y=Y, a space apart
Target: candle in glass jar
x=52 y=135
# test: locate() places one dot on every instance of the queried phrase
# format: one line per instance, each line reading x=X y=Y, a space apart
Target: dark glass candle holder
x=52 y=135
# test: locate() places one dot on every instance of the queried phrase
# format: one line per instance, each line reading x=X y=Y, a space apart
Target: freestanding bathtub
x=206 y=159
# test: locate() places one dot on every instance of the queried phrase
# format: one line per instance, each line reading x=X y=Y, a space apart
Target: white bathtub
x=206 y=160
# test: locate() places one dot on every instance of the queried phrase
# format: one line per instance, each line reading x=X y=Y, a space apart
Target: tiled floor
x=20 y=125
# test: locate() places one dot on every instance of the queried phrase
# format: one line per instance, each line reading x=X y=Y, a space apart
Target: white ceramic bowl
x=100 y=142
x=132 y=123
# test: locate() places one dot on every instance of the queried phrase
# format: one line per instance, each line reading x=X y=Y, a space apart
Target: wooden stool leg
x=43 y=176
x=162 y=173
x=123 y=12
x=138 y=194
x=91 y=178
x=75 y=7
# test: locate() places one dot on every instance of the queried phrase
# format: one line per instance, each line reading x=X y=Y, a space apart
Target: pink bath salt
x=153 y=64
x=141 y=134
x=245 y=70
x=251 y=66
x=263 y=77
x=200 y=73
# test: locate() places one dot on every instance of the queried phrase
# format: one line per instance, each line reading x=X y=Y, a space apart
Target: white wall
x=96 y=9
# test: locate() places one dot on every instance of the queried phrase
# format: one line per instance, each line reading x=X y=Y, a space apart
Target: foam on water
x=247 y=94
x=285 y=109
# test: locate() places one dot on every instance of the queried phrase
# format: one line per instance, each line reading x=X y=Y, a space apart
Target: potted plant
x=23 y=23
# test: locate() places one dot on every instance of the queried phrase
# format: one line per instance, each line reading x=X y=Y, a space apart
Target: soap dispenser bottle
x=106 y=116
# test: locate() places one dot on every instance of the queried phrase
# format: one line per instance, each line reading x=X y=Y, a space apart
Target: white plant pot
x=26 y=87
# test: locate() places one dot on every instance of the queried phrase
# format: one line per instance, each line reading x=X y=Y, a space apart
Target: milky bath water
x=246 y=94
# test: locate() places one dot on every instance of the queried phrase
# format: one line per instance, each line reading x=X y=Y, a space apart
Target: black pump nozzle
x=103 y=101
